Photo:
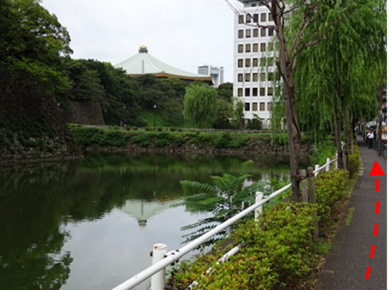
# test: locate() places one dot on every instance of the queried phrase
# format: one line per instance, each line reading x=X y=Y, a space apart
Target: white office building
x=254 y=61
x=213 y=71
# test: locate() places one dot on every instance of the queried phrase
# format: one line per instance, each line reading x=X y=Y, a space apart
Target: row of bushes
x=92 y=136
x=280 y=252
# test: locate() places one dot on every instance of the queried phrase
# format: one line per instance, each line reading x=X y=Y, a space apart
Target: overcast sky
x=182 y=33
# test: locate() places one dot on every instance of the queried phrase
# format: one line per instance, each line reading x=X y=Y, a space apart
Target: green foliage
x=354 y=161
x=33 y=42
x=200 y=106
x=330 y=188
x=225 y=92
x=276 y=255
x=238 y=114
x=97 y=137
x=341 y=73
x=224 y=198
x=322 y=151
x=227 y=140
x=350 y=216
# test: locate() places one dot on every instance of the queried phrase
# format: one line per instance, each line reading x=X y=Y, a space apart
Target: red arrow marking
x=375 y=229
x=367 y=273
x=377 y=207
x=377 y=185
x=376 y=170
x=372 y=251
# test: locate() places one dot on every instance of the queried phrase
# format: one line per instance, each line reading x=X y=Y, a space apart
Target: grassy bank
x=173 y=138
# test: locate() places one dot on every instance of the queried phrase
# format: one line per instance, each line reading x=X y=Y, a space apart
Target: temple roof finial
x=143 y=49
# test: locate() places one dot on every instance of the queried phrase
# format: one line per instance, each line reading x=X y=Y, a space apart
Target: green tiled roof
x=144 y=63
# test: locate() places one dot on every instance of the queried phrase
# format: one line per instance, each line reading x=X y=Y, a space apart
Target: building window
x=270 y=17
x=247 y=92
x=270 y=32
x=255 y=47
x=248 y=18
x=256 y=18
x=263 y=17
x=247 y=62
x=254 y=91
x=262 y=32
x=255 y=77
x=255 y=62
x=262 y=78
x=270 y=76
x=262 y=46
x=247 y=47
x=269 y=106
x=247 y=77
x=254 y=106
x=240 y=92
x=270 y=93
x=255 y=32
x=240 y=33
x=247 y=106
x=262 y=106
x=240 y=62
x=248 y=33
x=240 y=78
x=241 y=19
x=240 y=48
x=262 y=92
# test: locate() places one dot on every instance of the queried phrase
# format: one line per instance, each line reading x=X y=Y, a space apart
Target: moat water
x=92 y=224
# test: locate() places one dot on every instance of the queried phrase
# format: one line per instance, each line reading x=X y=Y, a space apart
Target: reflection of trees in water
x=31 y=240
x=35 y=200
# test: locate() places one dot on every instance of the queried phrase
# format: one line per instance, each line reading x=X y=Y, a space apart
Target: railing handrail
x=173 y=256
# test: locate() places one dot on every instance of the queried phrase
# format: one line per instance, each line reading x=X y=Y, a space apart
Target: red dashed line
x=372 y=251
x=367 y=273
x=375 y=229
x=377 y=207
x=377 y=185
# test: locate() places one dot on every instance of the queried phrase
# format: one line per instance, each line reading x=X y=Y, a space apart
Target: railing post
x=336 y=161
x=158 y=280
x=259 y=210
x=312 y=191
x=316 y=169
x=327 y=168
x=302 y=174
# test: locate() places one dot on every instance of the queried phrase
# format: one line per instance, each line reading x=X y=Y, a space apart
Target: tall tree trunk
x=337 y=131
x=379 y=131
x=286 y=70
x=294 y=141
x=349 y=139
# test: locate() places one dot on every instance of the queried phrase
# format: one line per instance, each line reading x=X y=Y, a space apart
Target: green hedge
x=113 y=136
x=279 y=251
x=354 y=161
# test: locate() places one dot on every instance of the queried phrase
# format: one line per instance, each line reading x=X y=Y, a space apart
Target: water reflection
x=52 y=214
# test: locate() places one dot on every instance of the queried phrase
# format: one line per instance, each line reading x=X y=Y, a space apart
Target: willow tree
x=200 y=106
x=339 y=77
x=293 y=15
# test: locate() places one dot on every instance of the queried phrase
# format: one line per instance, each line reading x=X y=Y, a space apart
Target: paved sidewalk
x=346 y=264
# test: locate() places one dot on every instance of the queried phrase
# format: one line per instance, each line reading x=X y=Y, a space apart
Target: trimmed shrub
x=330 y=187
x=354 y=161
x=276 y=255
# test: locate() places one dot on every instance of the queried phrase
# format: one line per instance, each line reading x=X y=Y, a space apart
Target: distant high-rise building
x=213 y=71
x=252 y=82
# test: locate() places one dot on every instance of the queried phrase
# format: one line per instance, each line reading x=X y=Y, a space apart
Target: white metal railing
x=161 y=259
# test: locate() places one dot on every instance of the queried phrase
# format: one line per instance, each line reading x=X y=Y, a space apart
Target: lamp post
x=155 y=106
